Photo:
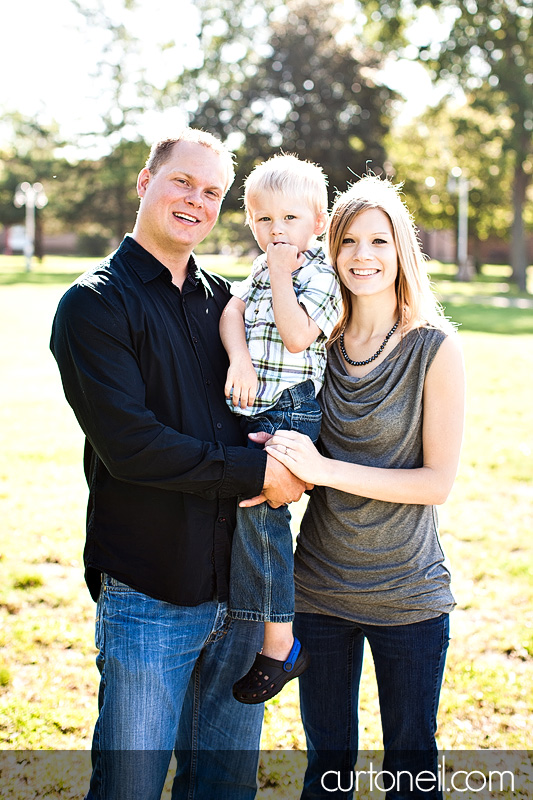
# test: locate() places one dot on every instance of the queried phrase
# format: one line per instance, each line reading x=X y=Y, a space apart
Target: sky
x=50 y=55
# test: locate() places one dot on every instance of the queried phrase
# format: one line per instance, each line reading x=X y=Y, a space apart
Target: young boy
x=275 y=330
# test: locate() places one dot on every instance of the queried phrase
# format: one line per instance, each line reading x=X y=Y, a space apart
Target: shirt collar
x=148 y=267
x=145 y=264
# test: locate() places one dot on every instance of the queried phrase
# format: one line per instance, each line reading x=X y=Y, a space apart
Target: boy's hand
x=284 y=258
x=241 y=382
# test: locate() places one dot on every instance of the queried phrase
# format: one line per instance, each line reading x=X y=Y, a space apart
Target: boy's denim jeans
x=409 y=663
x=166 y=685
x=262 y=584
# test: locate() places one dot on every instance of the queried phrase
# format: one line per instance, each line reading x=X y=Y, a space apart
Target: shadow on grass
x=483 y=318
x=503 y=276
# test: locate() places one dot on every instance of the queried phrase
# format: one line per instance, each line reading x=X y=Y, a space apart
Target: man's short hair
x=162 y=150
x=289 y=175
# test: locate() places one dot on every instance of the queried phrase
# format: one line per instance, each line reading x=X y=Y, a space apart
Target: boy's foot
x=267 y=676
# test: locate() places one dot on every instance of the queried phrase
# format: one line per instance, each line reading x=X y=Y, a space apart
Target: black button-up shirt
x=143 y=368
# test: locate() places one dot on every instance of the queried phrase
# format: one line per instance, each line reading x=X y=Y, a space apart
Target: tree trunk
x=518 y=239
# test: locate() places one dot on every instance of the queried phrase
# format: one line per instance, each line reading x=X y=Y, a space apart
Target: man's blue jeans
x=166 y=685
x=262 y=566
x=409 y=664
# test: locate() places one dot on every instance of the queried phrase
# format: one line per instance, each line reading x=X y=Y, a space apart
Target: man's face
x=181 y=201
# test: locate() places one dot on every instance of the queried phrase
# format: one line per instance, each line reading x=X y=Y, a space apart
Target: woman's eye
x=380 y=241
x=348 y=240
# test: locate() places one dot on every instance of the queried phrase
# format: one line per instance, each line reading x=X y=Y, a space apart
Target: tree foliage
x=424 y=153
x=308 y=89
x=31 y=153
x=490 y=53
x=101 y=195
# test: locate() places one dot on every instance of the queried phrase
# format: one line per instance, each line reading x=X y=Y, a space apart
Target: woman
x=368 y=563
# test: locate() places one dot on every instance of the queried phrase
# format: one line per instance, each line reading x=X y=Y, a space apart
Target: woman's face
x=367 y=260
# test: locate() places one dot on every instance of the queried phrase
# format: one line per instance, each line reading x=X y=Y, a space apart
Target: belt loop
x=295 y=396
x=301 y=392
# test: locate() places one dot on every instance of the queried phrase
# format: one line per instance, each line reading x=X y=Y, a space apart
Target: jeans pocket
x=114 y=585
x=99 y=622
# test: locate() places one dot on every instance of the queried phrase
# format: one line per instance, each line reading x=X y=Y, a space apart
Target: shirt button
x=221 y=519
x=195 y=340
x=208 y=382
x=219 y=425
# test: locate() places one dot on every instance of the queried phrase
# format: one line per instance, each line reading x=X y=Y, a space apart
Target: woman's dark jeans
x=409 y=663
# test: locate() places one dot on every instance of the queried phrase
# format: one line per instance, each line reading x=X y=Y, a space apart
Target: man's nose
x=195 y=196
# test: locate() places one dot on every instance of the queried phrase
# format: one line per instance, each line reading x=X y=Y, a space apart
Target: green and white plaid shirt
x=318 y=291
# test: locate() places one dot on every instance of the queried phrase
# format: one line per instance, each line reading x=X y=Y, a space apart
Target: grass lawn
x=48 y=681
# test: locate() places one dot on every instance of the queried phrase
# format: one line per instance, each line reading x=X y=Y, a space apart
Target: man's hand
x=280 y=488
x=241 y=382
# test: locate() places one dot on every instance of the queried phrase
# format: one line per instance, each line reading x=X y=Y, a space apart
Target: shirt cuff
x=244 y=474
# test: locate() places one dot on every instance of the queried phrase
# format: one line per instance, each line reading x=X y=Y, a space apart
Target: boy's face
x=275 y=217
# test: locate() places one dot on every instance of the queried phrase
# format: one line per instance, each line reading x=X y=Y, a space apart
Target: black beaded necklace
x=376 y=354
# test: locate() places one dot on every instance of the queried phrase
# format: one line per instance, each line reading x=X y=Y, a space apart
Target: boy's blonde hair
x=288 y=174
x=417 y=304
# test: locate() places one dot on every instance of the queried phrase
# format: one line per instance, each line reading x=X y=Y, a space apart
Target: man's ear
x=142 y=181
x=321 y=223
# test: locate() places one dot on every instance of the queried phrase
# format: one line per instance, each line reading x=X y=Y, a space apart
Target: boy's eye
x=290 y=216
x=264 y=219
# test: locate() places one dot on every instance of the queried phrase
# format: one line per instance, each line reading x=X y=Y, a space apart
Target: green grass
x=48 y=681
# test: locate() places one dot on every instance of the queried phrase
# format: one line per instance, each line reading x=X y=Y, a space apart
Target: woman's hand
x=298 y=453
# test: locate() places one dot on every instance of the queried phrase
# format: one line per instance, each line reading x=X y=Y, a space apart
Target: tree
x=490 y=53
x=33 y=154
x=424 y=153
x=101 y=195
x=101 y=192
x=311 y=88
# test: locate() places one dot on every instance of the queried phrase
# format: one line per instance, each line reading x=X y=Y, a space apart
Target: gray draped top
x=368 y=560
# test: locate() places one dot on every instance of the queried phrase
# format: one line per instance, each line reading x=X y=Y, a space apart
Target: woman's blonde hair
x=417 y=304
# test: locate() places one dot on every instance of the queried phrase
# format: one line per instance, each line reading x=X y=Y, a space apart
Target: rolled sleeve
x=321 y=298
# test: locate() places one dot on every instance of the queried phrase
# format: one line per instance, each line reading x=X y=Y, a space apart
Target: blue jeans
x=166 y=685
x=261 y=583
x=409 y=663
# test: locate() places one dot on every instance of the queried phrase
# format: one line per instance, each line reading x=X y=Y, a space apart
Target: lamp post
x=32 y=196
x=458 y=183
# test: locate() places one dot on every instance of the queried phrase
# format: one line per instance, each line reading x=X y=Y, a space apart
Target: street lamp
x=31 y=196
x=458 y=183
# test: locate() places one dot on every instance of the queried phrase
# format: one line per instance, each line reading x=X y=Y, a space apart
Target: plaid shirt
x=317 y=290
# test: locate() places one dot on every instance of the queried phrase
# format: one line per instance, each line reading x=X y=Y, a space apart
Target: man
x=143 y=368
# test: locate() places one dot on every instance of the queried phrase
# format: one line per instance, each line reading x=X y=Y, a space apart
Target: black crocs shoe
x=267 y=676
